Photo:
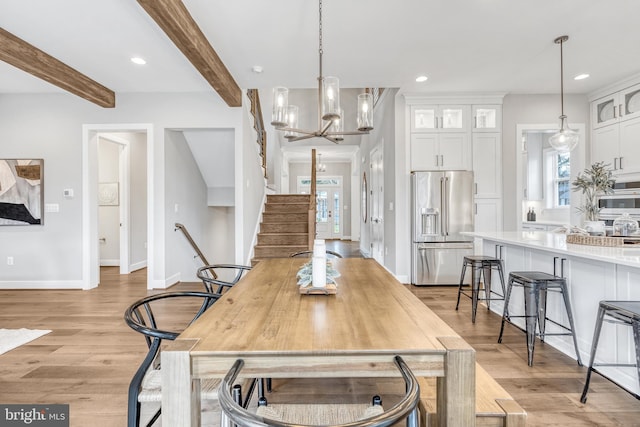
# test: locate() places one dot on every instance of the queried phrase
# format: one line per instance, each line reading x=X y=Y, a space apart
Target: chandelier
x=565 y=139
x=330 y=124
x=320 y=167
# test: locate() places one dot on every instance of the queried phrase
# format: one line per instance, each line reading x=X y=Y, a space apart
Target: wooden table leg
x=456 y=391
x=180 y=396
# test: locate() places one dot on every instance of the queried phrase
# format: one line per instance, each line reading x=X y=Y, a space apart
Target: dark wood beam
x=175 y=20
x=20 y=54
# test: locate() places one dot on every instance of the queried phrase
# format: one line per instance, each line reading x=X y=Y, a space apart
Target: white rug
x=12 y=338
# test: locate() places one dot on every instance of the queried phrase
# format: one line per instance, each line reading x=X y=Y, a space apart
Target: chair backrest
x=213 y=281
x=308 y=254
x=235 y=414
x=149 y=315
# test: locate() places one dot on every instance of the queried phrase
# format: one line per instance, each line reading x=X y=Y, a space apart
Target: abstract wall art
x=21 y=191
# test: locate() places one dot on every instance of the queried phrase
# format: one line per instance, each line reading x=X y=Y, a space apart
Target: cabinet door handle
x=615 y=116
x=620 y=111
x=562 y=266
x=476 y=188
x=620 y=162
x=441 y=159
x=615 y=163
x=475 y=122
x=555 y=259
x=437 y=164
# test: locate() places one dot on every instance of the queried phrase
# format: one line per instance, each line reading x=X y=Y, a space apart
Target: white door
x=328 y=209
x=377 y=206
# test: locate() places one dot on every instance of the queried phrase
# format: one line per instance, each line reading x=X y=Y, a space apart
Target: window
x=561 y=170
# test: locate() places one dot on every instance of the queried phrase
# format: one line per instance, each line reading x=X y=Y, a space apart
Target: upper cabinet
x=486 y=118
x=616 y=107
x=616 y=129
x=440 y=118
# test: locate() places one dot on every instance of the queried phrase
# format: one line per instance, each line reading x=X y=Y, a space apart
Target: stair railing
x=258 y=125
x=195 y=247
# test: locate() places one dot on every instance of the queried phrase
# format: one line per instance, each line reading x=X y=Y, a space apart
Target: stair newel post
x=312 y=200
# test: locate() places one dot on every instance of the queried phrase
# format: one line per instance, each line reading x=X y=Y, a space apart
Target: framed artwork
x=21 y=191
x=108 y=194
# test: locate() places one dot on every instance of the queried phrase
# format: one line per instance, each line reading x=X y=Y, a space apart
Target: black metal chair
x=212 y=283
x=143 y=316
x=481 y=267
x=374 y=416
x=308 y=254
x=620 y=312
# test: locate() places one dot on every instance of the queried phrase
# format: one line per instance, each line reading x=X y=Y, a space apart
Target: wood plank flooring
x=89 y=358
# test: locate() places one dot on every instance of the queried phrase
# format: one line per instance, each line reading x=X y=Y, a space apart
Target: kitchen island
x=593 y=273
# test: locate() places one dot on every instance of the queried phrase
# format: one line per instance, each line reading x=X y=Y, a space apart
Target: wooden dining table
x=356 y=332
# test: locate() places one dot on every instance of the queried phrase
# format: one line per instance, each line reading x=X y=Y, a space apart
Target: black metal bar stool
x=536 y=284
x=624 y=312
x=481 y=266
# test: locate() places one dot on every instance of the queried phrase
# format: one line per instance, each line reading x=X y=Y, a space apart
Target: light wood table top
x=280 y=333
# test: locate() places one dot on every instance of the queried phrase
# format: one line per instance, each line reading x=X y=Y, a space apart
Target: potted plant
x=594 y=181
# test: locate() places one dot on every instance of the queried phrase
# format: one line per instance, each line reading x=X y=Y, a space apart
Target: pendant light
x=565 y=139
x=330 y=115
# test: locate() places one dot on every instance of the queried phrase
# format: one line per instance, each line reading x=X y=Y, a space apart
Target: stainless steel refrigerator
x=442 y=209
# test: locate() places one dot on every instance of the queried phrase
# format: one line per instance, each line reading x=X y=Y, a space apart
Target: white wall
x=49 y=126
x=137 y=200
x=185 y=203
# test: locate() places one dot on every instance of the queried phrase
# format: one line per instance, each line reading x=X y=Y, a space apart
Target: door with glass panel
x=328 y=209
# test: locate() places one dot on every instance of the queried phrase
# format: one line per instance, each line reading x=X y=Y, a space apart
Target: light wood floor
x=89 y=358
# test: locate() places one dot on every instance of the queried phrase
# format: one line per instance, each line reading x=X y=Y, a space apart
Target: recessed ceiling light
x=421 y=79
x=581 y=76
x=257 y=69
x=138 y=60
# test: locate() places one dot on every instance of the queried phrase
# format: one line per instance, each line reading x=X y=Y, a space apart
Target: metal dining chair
x=210 y=276
x=308 y=254
x=234 y=414
x=148 y=317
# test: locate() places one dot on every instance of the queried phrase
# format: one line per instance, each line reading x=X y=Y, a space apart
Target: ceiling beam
x=175 y=20
x=20 y=54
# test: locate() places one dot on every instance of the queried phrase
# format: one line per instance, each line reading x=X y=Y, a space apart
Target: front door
x=328 y=205
x=377 y=206
x=328 y=219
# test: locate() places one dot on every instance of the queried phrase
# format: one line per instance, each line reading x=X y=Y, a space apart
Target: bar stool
x=536 y=284
x=481 y=266
x=622 y=312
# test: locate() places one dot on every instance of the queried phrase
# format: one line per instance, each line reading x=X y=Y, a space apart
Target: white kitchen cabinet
x=487 y=164
x=488 y=215
x=444 y=151
x=534 y=227
x=440 y=118
x=486 y=118
x=617 y=145
x=616 y=107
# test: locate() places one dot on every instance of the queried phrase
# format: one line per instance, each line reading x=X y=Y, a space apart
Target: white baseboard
x=42 y=284
x=109 y=263
x=138 y=266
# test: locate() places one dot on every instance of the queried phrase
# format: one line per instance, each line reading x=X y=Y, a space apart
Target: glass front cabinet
x=440 y=118
x=486 y=118
x=618 y=106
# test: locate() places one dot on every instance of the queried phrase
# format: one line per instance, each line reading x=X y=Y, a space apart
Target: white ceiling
x=462 y=45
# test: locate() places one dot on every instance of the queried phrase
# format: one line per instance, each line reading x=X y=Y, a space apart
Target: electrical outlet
x=9 y=260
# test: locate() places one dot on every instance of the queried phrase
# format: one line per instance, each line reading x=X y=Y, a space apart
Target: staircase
x=284 y=228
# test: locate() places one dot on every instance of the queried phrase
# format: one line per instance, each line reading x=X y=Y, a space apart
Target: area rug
x=12 y=338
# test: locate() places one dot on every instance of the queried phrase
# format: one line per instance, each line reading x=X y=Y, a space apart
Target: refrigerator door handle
x=445 y=197
x=443 y=209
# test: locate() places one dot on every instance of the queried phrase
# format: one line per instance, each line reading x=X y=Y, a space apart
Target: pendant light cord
x=320 y=51
x=561 y=80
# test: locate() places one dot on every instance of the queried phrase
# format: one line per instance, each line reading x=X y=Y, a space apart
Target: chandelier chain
x=561 y=80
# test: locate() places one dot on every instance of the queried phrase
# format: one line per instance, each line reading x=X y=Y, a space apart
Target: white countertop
x=543 y=222
x=556 y=242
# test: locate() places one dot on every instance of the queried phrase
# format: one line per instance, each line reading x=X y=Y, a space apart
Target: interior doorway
x=135 y=213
